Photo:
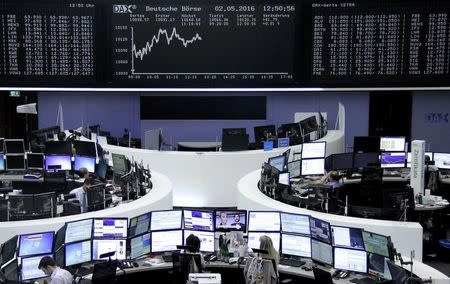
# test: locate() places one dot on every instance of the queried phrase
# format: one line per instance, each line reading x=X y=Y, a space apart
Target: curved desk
x=159 y=198
x=406 y=236
x=209 y=179
x=421 y=270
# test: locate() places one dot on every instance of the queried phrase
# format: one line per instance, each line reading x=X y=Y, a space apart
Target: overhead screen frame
x=302 y=76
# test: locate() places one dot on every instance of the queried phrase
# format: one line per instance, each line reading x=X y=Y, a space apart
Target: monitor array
x=158 y=232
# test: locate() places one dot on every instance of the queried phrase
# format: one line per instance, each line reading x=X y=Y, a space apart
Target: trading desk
x=159 y=198
x=406 y=236
x=233 y=273
x=208 y=179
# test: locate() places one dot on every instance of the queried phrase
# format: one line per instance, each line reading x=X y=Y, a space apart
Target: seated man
x=81 y=195
x=57 y=274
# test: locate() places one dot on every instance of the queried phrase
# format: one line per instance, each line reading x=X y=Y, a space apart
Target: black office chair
x=185 y=263
x=322 y=276
x=104 y=272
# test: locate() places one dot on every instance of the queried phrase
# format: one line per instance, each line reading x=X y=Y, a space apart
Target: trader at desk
x=57 y=274
x=81 y=195
x=332 y=178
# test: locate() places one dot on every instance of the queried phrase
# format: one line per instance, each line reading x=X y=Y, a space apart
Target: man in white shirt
x=57 y=274
x=81 y=194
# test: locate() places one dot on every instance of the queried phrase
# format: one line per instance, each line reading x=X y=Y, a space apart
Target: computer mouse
x=135 y=264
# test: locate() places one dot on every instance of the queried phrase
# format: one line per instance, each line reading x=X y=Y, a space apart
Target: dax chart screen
x=202 y=41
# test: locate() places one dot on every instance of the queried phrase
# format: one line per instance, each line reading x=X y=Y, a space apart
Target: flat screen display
x=295 y=223
x=166 y=240
x=110 y=228
x=295 y=245
x=231 y=220
x=100 y=247
x=84 y=162
x=30 y=268
x=77 y=253
x=33 y=244
x=253 y=239
x=350 y=260
x=140 y=245
x=199 y=220
x=392 y=144
x=58 y=163
x=313 y=150
x=313 y=167
x=264 y=221
x=78 y=231
x=320 y=230
x=206 y=239
x=166 y=220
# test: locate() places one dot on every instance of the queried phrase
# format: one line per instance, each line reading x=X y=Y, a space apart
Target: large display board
x=200 y=43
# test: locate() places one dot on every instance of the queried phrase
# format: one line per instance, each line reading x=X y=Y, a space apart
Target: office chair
x=322 y=276
x=104 y=272
x=185 y=263
x=257 y=267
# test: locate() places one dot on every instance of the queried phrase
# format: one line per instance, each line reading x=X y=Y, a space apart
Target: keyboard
x=83 y=271
x=365 y=280
x=291 y=262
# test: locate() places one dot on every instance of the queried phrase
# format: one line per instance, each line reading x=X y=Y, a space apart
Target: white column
x=417 y=166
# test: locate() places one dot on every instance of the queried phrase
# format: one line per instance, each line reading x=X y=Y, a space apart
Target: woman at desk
x=264 y=267
x=193 y=242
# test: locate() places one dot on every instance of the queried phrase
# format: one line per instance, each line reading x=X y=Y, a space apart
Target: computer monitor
x=362 y=160
x=166 y=220
x=320 y=230
x=84 y=162
x=78 y=253
x=139 y=225
x=284 y=178
x=378 y=266
x=366 y=144
x=294 y=168
x=14 y=146
x=233 y=220
x=15 y=162
x=29 y=268
x=2 y=163
x=8 y=250
x=442 y=160
x=341 y=162
x=392 y=144
x=163 y=241
x=398 y=274
x=264 y=221
x=295 y=223
x=206 y=240
x=313 y=167
x=234 y=131
x=59 y=148
x=11 y=271
x=350 y=260
x=85 y=148
x=119 y=164
x=78 y=231
x=33 y=244
x=58 y=163
x=321 y=252
x=289 y=130
x=234 y=142
x=253 y=239
x=140 y=245
x=96 y=197
x=295 y=245
x=347 y=237
x=429 y=154
x=314 y=150
x=59 y=257
x=375 y=243
x=60 y=237
x=199 y=220
x=393 y=159
x=308 y=125
x=22 y=204
x=278 y=162
x=100 y=247
x=263 y=133
x=110 y=228
x=101 y=170
x=45 y=204
x=35 y=161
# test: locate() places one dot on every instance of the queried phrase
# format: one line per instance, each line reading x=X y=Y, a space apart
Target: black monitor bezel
x=30 y=255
